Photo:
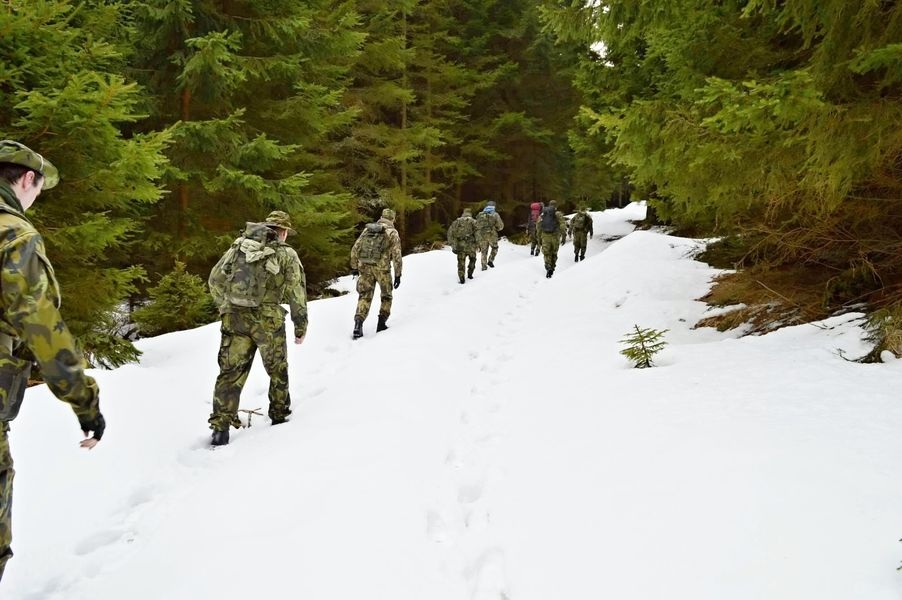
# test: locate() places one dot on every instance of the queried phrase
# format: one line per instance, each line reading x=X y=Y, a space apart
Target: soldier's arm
x=499 y=222
x=355 y=253
x=31 y=310
x=591 y=229
x=395 y=240
x=296 y=292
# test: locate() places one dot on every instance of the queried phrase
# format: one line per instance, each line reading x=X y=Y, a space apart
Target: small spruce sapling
x=642 y=345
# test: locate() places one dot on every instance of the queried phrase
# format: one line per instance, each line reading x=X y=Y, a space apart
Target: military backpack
x=242 y=272
x=373 y=241
x=549 y=219
x=461 y=233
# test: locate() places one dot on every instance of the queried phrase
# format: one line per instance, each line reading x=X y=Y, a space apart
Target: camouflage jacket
x=581 y=221
x=288 y=286
x=29 y=311
x=488 y=225
x=462 y=234
x=391 y=256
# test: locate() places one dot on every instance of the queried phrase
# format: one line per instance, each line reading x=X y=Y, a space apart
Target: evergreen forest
x=770 y=126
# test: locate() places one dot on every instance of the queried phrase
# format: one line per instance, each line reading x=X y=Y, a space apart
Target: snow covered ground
x=492 y=445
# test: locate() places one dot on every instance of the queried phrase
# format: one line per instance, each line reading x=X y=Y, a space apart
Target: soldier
x=462 y=237
x=29 y=300
x=488 y=224
x=535 y=209
x=581 y=224
x=374 y=253
x=551 y=225
x=253 y=318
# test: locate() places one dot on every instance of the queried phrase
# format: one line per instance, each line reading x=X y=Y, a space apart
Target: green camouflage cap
x=388 y=214
x=19 y=154
x=280 y=219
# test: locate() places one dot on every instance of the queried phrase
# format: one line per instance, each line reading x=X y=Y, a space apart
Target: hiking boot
x=278 y=420
x=470 y=275
x=491 y=264
x=381 y=326
x=358 y=328
x=548 y=273
x=485 y=268
x=462 y=280
x=582 y=256
x=576 y=258
x=220 y=438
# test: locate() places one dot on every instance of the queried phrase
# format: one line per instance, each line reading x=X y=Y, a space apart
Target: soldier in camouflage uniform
x=488 y=224
x=247 y=329
x=370 y=275
x=551 y=240
x=581 y=225
x=30 y=300
x=462 y=237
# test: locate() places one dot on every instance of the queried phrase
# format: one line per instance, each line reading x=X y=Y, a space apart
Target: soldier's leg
x=471 y=255
x=494 y=252
x=553 y=247
x=6 y=498
x=269 y=335
x=547 y=241
x=533 y=242
x=383 y=278
x=366 y=287
x=483 y=254
x=236 y=355
x=461 y=266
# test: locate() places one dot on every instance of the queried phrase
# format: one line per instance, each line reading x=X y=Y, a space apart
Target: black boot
x=381 y=326
x=220 y=438
x=491 y=264
x=358 y=328
x=548 y=273
x=462 y=280
x=576 y=258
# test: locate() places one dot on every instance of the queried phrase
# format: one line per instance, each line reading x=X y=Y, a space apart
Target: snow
x=492 y=445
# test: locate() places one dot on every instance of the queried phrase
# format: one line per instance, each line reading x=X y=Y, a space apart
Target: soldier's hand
x=299 y=340
x=355 y=272
x=590 y=236
x=397 y=282
x=97 y=425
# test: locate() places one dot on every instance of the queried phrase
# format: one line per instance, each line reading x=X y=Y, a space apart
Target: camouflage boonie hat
x=20 y=154
x=468 y=212
x=389 y=214
x=280 y=219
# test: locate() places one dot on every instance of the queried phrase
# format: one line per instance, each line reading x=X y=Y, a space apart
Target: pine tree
x=179 y=301
x=63 y=93
x=251 y=91
x=642 y=345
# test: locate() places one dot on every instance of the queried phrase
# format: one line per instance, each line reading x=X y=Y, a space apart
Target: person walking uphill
x=30 y=318
x=249 y=284
x=374 y=253
x=462 y=237
x=581 y=224
x=551 y=224
x=488 y=224
x=535 y=211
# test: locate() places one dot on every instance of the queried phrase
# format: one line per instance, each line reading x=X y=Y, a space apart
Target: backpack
x=549 y=219
x=459 y=233
x=484 y=223
x=373 y=241
x=578 y=223
x=242 y=272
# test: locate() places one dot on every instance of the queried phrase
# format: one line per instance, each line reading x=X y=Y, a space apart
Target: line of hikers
x=547 y=229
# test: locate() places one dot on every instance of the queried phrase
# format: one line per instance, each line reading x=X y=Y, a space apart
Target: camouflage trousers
x=462 y=257
x=550 y=244
x=243 y=333
x=484 y=246
x=366 y=287
x=533 y=238
x=580 y=238
x=6 y=498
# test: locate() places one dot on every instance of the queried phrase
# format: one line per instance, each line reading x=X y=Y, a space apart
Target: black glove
x=97 y=425
x=355 y=272
x=590 y=236
x=397 y=281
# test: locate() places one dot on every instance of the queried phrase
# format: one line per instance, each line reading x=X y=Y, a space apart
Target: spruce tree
x=64 y=94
